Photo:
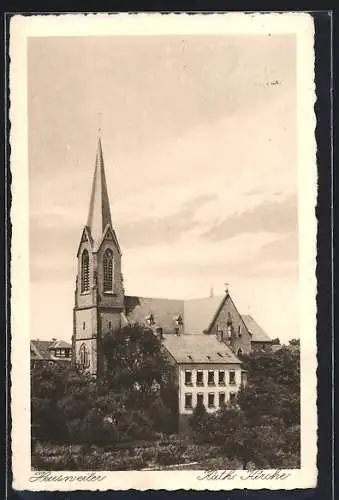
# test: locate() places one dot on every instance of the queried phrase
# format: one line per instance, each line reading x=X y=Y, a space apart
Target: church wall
x=110 y=321
x=85 y=323
x=242 y=341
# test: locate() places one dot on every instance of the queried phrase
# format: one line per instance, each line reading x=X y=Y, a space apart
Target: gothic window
x=108 y=271
x=85 y=271
x=83 y=353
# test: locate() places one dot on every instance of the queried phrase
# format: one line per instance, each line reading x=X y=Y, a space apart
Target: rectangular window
x=221 y=398
x=232 y=397
x=188 y=400
x=221 y=377
x=232 y=378
x=110 y=325
x=188 y=377
x=200 y=399
x=211 y=400
x=83 y=325
x=67 y=353
x=211 y=378
x=200 y=377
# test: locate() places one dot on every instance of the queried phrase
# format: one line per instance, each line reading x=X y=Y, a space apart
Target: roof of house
x=198 y=349
x=164 y=311
x=258 y=334
x=60 y=344
x=43 y=349
x=199 y=313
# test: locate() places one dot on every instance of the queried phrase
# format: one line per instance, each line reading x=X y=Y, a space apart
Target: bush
x=168 y=457
x=149 y=454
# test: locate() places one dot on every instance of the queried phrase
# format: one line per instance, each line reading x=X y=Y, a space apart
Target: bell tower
x=99 y=291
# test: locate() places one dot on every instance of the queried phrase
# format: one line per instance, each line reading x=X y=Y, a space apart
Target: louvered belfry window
x=85 y=271
x=108 y=271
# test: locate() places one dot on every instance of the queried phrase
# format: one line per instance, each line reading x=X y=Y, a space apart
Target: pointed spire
x=99 y=214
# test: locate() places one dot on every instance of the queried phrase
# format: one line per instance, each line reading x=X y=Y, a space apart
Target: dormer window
x=150 y=319
x=179 y=321
x=108 y=270
x=84 y=271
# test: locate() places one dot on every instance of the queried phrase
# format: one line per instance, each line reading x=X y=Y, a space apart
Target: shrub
x=149 y=454
x=168 y=457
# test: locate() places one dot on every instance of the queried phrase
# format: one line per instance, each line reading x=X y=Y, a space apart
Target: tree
x=244 y=440
x=276 y=341
x=294 y=342
x=273 y=387
x=133 y=399
x=200 y=423
x=138 y=366
x=263 y=426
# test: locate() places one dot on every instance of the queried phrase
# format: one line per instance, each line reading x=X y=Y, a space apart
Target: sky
x=199 y=139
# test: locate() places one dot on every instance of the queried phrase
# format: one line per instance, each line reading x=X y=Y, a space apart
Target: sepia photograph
x=170 y=254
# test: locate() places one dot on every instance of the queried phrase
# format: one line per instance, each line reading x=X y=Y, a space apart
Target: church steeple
x=99 y=214
x=99 y=292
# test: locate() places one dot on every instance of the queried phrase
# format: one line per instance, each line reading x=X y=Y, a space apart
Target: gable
x=85 y=239
x=108 y=235
x=228 y=312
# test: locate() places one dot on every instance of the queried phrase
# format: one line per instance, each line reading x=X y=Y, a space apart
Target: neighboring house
x=50 y=351
x=101 y=305
x=207 y=372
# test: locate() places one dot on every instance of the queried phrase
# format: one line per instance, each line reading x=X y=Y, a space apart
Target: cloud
x=282 y=250
x=151 y=230
x=271 y=216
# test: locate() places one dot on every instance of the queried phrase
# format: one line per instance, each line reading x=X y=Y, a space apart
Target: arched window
x=83 y=353
x=85 y=271
x=240 y=352
x=108 y=271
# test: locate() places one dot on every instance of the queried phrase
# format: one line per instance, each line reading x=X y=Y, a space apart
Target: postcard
x=163 y=254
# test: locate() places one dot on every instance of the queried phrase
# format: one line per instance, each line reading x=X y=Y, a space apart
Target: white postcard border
x=22 y=27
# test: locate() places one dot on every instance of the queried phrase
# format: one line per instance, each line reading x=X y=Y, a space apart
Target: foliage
x=200 y=423
x=294 y=342
x=264 y=425
x=134 y=401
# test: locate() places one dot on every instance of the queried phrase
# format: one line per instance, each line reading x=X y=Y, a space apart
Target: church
x=209 y=333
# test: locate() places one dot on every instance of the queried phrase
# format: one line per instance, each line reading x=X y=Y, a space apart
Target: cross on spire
x=99 y=123
x=226 y=286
